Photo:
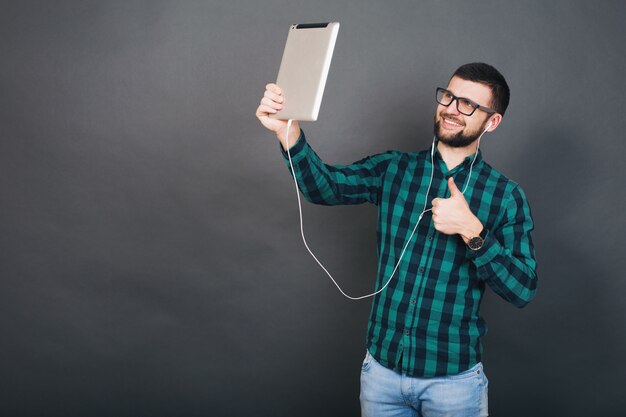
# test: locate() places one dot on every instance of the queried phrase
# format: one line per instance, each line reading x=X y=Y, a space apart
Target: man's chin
x=456 y=141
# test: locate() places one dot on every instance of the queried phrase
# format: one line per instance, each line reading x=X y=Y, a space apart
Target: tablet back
x=304 y=68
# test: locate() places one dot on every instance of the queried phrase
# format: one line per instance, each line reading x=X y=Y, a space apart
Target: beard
x=460 y=139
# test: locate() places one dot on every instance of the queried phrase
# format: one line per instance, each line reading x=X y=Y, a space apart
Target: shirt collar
x=462 y=166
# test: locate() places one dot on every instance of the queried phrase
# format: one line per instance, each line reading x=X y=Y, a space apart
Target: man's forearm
x=294 y=134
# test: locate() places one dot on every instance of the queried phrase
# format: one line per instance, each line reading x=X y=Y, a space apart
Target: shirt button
x=421 y=269
x=407 y=332
x=413 y=301
x=430 y=237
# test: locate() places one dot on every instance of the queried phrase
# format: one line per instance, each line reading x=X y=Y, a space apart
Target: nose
x=452 y=107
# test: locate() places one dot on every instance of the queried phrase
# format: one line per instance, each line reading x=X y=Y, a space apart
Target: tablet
x=304 y=68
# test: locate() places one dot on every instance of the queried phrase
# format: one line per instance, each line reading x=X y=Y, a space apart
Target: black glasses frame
x=470 y=102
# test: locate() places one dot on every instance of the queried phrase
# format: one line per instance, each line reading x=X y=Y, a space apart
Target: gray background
x=150 y=257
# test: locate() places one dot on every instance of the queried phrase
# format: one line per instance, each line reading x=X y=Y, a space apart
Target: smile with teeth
x=451 y=122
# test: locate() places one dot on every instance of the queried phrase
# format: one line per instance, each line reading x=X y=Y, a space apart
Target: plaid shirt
x=426 y=322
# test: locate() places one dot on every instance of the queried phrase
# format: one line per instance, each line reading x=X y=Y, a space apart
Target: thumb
x=454 y=191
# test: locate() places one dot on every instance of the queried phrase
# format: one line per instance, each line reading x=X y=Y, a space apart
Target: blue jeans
x=385 y=392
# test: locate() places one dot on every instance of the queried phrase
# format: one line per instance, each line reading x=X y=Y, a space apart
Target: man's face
x=456 y=129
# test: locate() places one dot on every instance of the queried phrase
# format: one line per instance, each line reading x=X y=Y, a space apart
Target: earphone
x=424 y=210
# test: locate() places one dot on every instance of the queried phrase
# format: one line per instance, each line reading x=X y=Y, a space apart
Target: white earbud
x=488 y=126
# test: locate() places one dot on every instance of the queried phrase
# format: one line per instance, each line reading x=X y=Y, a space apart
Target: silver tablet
x=304 y=68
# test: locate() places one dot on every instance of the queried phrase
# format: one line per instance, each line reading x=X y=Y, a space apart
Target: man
x=423 y=342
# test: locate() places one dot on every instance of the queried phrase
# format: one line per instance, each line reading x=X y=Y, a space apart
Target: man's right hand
x=271 y=103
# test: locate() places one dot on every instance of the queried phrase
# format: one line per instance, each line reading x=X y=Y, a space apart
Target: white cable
x=424 y=210
x=311 y=252
x=473 y=160
x=469 y=175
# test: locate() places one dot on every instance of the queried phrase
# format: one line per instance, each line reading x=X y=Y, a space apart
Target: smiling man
x=423 y=354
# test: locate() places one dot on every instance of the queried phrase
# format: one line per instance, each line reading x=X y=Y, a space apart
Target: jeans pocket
x=475 y=372
x=484 y=379
x=366 y=362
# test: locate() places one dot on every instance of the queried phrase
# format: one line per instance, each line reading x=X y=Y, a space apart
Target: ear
x=494 y=122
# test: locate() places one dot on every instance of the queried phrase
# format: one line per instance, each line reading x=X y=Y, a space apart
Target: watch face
x=475 y=243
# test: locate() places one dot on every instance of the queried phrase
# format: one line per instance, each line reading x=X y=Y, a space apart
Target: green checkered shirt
x=427 y=322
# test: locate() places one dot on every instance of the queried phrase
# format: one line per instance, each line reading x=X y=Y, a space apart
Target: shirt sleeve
x=506 y=262
x=325 y=184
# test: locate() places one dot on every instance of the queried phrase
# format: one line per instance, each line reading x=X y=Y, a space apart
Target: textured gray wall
x=150 y=257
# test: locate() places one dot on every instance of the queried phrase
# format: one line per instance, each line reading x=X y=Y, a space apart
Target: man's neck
x=454 y=156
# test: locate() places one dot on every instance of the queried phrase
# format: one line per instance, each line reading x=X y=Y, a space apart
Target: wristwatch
x=477 y=242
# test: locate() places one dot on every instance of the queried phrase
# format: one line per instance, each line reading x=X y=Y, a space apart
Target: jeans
x=387 y=393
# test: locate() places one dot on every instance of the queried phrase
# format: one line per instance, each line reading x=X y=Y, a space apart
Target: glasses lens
x=466 y=106
x=444 y=97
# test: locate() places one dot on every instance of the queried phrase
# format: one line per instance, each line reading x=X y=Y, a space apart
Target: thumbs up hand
x=453 y=216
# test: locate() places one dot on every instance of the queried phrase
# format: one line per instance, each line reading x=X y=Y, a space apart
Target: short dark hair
x=486 y=74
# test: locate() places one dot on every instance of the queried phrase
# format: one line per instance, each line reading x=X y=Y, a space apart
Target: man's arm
x=506 y=262
x=321 y=183
x=325 y=184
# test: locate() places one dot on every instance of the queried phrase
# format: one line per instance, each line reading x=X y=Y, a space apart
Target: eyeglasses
x=463 y=105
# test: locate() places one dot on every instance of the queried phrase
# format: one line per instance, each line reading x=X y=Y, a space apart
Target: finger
x=271 y=103
x=454 y=191
x=278 y=98
x=274 y=88
x=263 y=111
x=435 y=202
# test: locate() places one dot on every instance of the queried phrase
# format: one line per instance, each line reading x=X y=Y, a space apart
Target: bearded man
x=423 y=349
